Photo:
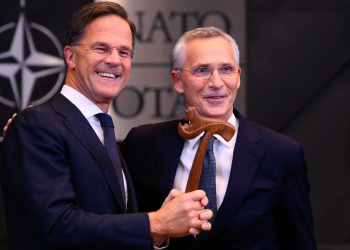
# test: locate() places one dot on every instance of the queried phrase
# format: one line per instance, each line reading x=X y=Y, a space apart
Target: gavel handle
x=193 y=178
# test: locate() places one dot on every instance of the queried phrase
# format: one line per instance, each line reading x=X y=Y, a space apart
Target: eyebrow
x=202 y=65
x=210 y=65
x=123 y=47
x=126 y=47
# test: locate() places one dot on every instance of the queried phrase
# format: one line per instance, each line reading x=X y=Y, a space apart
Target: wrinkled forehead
x=209 y=51
x=108 y=29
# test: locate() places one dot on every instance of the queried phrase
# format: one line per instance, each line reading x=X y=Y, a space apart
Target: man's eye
x=101 y=50
x=124 y=53
x=201 y=70
x=227 y=69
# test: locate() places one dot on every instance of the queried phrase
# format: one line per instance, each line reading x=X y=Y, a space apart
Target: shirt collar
x=233 y=120
x=84 y=104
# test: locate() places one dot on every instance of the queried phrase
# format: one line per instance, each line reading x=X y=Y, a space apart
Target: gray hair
x=180 y=46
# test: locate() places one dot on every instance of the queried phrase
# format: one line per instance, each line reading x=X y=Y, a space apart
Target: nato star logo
x=22 y=64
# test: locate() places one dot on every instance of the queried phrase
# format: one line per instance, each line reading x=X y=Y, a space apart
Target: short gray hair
x=180 y=46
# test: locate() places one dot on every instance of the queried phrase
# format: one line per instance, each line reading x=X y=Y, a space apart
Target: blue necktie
x=207 y=182
x=111 y=147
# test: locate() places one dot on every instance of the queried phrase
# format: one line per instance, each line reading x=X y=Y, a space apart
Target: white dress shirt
x=223 y=152
x=89 y=110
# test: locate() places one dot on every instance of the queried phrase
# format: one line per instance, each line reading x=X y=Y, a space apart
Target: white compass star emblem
x=52 y=64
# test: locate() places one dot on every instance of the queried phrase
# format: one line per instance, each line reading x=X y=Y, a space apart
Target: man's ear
x=177 y=81
x=69 y=56
x=239 y=78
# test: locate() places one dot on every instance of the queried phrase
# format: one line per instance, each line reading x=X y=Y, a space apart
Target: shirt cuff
x=166 y=245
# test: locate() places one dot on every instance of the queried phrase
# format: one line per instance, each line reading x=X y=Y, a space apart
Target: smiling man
x=209 y=77
x=99 y=64
x=258 y=182
x=65 y=185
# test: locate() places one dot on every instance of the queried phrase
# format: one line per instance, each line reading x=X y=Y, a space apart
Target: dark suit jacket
x=266 y=205
x=59 y=187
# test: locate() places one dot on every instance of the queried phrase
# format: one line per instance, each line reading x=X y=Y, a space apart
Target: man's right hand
x=10 y=120
x=8 y=123
x=181 y=214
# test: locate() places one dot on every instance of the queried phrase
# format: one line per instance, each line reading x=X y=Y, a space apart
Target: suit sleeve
x=295 y=223
x=40 y=198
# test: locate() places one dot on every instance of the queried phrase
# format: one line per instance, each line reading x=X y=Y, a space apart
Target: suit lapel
x=132 y=202
x=169 y=149
x=246 y=159
x=82 y=130
x=245 y=162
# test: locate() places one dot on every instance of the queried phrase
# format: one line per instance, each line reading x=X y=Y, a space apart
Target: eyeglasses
x=204 y=73
x=102 y=49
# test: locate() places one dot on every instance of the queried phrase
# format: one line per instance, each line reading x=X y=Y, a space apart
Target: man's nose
x=113 y=57
x=215 y=80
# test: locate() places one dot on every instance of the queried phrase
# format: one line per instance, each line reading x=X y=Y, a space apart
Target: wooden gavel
x=197 y=125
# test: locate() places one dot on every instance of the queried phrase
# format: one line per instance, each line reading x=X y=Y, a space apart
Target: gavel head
x=199 y=124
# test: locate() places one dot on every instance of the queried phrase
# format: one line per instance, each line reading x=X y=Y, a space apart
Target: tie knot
x=210 y=144
x=105 y=120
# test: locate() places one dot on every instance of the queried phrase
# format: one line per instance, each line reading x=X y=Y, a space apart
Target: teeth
x=216 y=97
x=107 y=75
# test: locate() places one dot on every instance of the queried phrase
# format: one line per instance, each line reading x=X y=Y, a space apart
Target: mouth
x=216 y=97
x=108 y=75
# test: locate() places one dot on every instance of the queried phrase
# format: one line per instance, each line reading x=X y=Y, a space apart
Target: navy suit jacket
x=59 y=187
x=266 y=205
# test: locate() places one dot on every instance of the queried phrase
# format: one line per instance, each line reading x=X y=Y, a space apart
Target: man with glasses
x=62 y=187
x=258 y=188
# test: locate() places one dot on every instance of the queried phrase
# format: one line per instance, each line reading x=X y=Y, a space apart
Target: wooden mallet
x=197 y=125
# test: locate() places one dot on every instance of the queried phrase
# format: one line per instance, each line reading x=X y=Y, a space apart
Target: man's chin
x=216 y=113
x=209 y=114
